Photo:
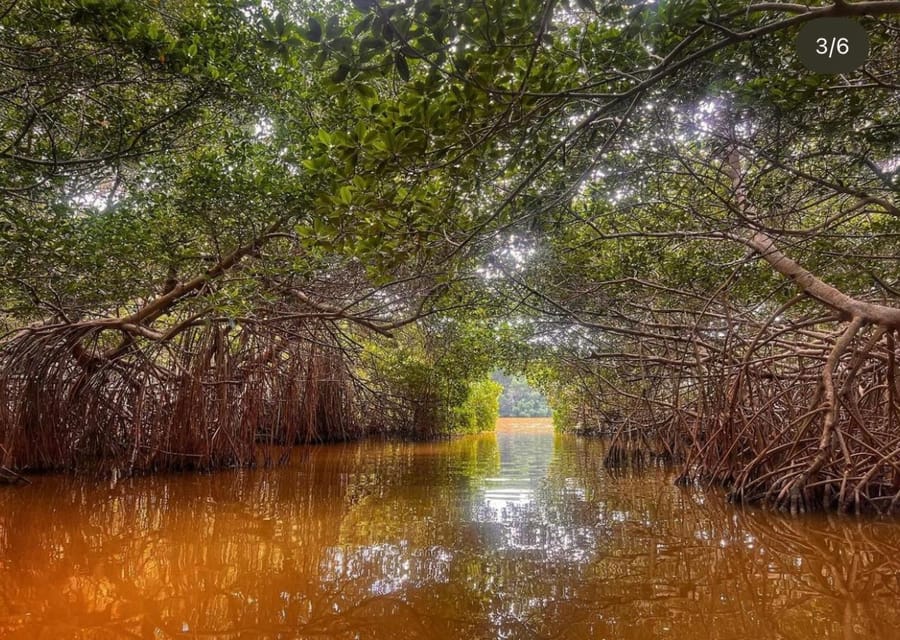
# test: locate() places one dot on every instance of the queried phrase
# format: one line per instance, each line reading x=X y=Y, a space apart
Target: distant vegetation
x=518 y=399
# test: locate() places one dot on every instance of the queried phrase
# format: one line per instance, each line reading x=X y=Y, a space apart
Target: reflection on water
x=521 y=534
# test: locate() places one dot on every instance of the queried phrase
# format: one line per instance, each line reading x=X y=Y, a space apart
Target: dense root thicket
x=802 y=417
x=812 y=424
x=171 y=387
x=209 y=398
x=637 y=443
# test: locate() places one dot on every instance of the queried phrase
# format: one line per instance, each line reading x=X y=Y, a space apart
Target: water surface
x=518 y=534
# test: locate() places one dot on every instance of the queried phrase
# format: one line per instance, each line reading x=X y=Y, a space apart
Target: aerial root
x=207 y=399
x=799 y=425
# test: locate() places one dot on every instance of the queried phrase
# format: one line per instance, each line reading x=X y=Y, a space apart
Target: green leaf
x=363 y=24
x=333 y=27
x=401 y=66
x=343 y=44
x=315 y=30
x=427 y=44
x=370 y=45
x=340 y=73
x=365 y=90
x=267 y=24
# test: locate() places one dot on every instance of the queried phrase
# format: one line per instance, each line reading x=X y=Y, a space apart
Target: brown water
x=518 y=534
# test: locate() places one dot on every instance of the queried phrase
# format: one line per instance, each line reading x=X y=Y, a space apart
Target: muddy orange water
x=518 y=534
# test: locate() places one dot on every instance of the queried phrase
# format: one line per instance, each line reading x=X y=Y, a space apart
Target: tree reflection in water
x=514 y=535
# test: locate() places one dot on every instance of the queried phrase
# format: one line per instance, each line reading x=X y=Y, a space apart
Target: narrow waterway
x=518 y=534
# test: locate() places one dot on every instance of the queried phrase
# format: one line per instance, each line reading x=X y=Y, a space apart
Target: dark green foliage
x=481 y=408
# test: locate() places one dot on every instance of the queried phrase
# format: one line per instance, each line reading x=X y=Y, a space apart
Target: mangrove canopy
x=231 y=226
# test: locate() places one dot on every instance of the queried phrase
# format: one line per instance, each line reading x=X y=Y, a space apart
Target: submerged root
x=8 y=476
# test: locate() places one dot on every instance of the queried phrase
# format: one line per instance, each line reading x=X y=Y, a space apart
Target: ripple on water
x=518 y=534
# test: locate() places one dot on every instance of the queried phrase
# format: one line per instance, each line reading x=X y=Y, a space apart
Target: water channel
x=516 y=534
